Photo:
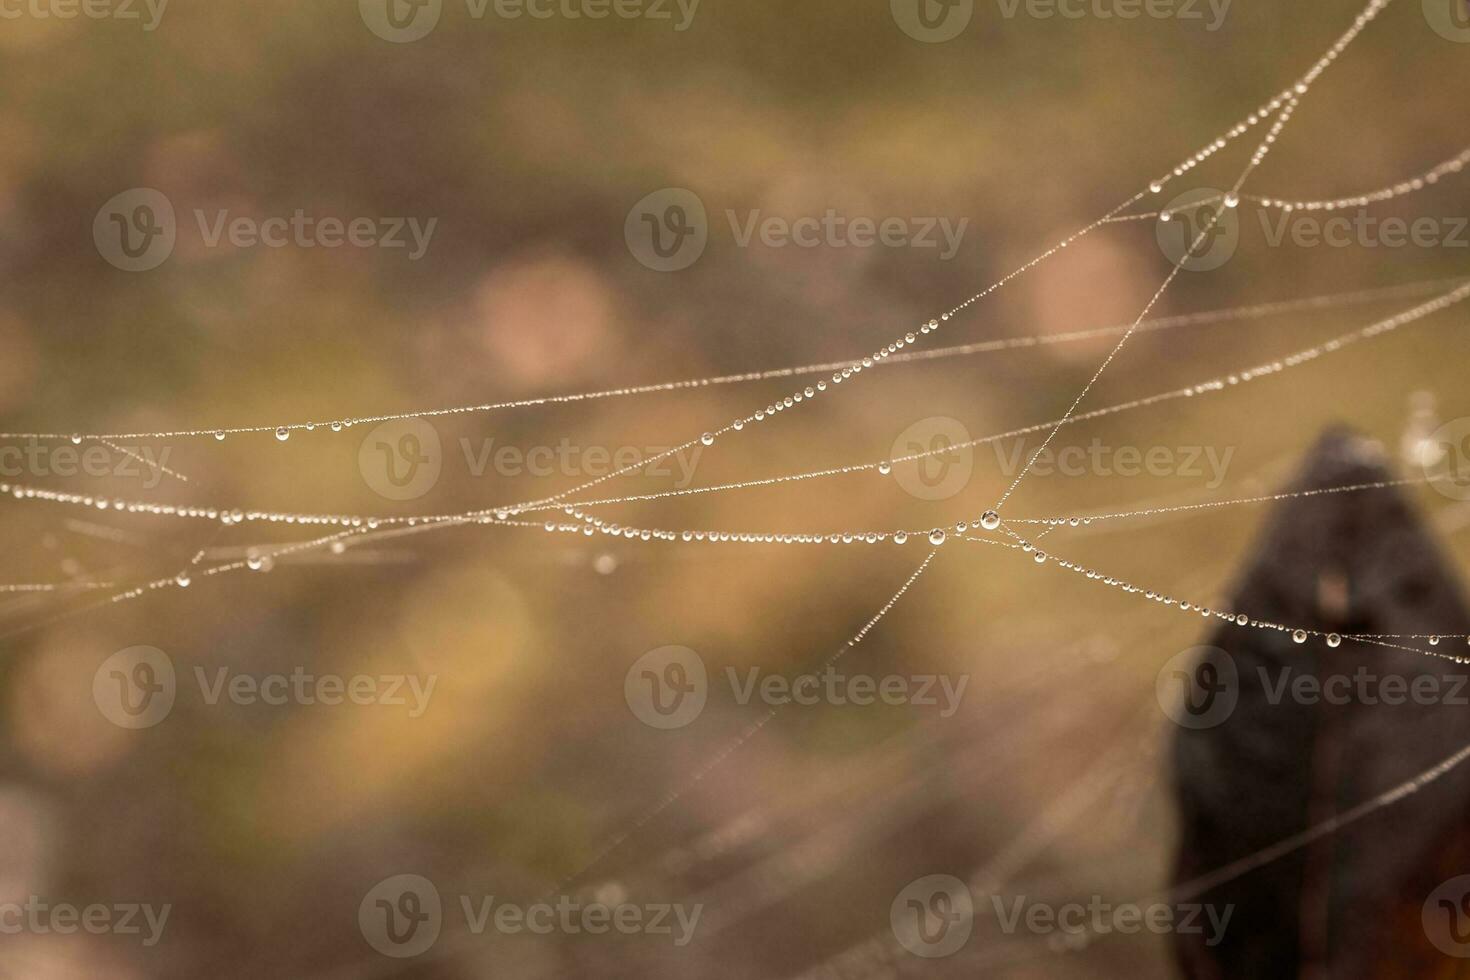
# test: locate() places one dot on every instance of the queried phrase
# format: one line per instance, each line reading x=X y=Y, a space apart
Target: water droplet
x=900 y=537
x=885 y=468
x=339 y=547
x=708 y=438
x=336 y=426
x=1040 y=558
x=182 y=579
x=283 y=433
x=76 y=440
x=219 y=437
x=1434 y=641
x=1155 y=187
x=1300 y=636
x=738 y=424
x=1333 y=640
x=1232 y=200
x=990 y=520
x=936 y=537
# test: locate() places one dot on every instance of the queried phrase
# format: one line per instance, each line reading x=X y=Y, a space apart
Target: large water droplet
x=990 y=520
x=936 y=537
x=283 y=433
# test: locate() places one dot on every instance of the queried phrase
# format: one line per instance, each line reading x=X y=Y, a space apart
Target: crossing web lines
x=578 y=511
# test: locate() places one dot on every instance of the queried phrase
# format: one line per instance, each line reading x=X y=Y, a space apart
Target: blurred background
x=530 y=153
